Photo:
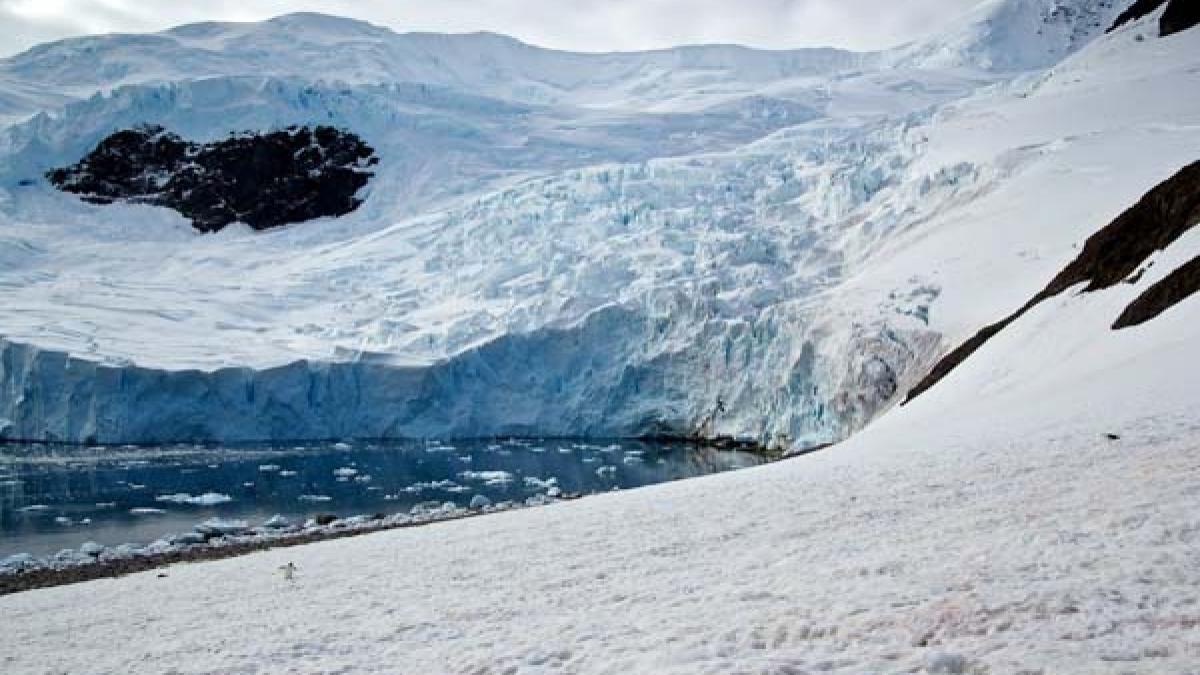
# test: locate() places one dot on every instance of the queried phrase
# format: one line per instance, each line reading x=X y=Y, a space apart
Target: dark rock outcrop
x=1135 y=11
x=1108 y=257
x=1163 y=295
x=264 y=180
x=1180 y=15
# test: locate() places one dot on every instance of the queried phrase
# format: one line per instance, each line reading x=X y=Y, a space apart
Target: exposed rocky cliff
x=263 y=180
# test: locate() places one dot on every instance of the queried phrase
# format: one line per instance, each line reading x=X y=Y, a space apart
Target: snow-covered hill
x=567 y=244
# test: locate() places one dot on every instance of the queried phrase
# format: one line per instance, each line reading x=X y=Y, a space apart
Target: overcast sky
x=582 y=25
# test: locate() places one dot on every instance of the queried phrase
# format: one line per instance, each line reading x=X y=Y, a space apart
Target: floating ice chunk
x=287 y=474
x=365 y=478
x=632 y=459
x=431 y=485
x=145 y=511
x=606 y=471
x=315 y=498
x=186 y=539
x=341 y=446
x=106 y=505
x=268 y=468
x=221 y=527
x=65 y=555
x=277 y=522
x=206 y=499
x=64 y=521
x=480 y=501
x=488 y=477
x=158 y=546
x=554 y=492
x=91 y=548
x=345 y=472
x=18 y=561
x=127 y=550
x=34 y=508
x=536 y=483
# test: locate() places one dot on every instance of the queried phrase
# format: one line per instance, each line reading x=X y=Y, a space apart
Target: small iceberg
x=494 y=478
x=222 y=527
x=277 y=522
x=91 y=549
x=535 y=483
x=206 y=499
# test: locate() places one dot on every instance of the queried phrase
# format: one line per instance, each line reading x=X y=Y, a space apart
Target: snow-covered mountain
x=568 y=244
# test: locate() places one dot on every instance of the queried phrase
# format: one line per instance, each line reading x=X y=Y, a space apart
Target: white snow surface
x=565 y=244
x=989 y=526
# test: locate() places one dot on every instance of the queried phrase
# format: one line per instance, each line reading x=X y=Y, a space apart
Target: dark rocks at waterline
x=264 y=180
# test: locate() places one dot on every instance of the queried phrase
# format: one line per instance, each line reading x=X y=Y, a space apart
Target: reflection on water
x=53 y=498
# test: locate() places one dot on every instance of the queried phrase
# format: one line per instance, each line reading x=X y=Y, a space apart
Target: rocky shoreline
x=216 y=539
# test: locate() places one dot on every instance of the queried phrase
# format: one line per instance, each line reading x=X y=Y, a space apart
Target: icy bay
x=54 y=498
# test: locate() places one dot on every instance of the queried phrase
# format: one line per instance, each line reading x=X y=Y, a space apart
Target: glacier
x=555 y=244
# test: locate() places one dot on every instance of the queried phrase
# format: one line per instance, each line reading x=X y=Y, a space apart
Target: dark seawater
x=52 y=498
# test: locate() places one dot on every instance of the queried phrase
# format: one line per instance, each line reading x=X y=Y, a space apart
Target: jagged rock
x=1168 y=292
x=1109 y=257
x=264 y=180
x=1180 y=15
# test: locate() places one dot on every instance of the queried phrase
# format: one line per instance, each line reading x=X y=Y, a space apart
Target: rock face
x=1180 y=15
x=1109 y=257
x=1170 y=291
x=263 y=180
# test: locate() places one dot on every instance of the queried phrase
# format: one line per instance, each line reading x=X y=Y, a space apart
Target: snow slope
x=989 y=526
x=568 y=244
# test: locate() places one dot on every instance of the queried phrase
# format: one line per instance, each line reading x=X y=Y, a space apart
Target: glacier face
x=554 y=244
